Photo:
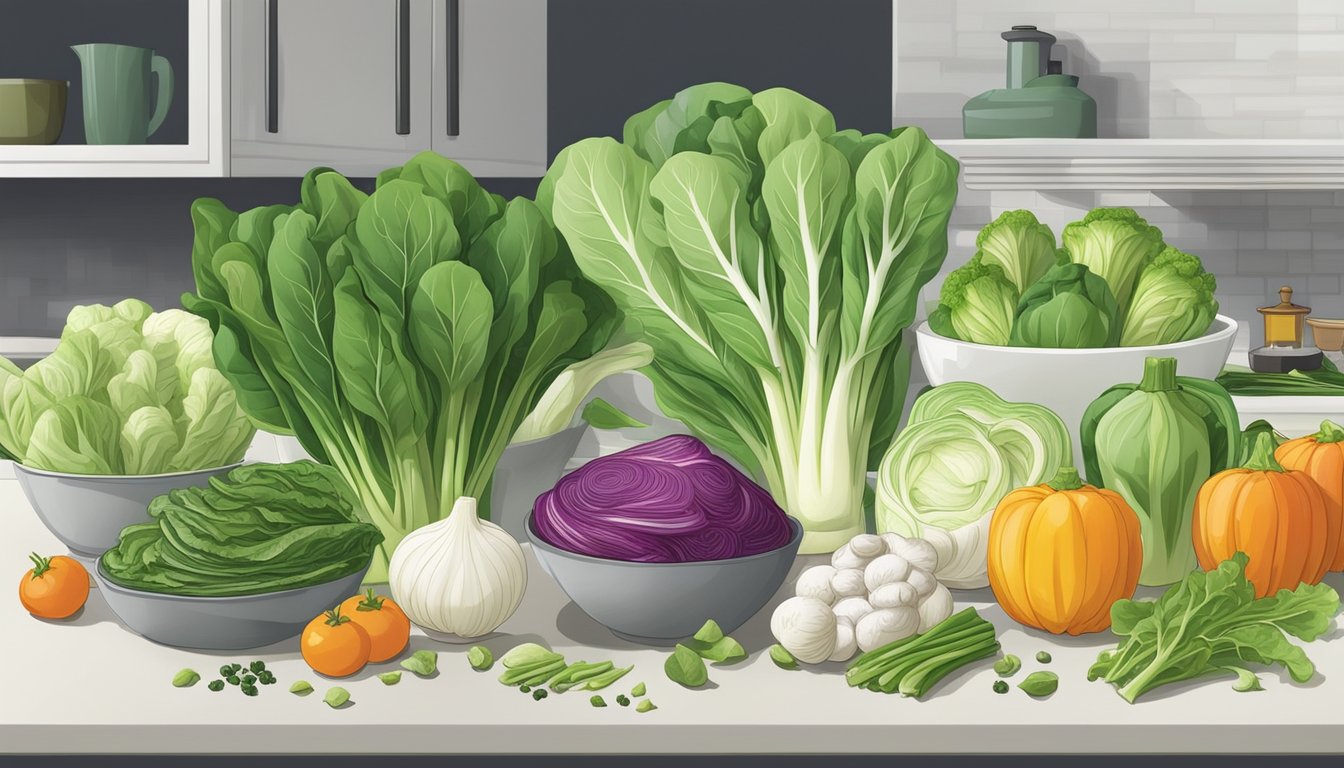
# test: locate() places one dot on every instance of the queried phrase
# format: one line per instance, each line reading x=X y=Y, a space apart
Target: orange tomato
x=389 y=629
x=55 y=587
x=335 y=646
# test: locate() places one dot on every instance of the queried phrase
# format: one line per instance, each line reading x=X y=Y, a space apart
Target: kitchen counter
x=88 y=685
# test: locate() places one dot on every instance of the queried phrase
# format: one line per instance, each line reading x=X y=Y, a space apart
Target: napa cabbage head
x=963 y=451
x=126 y=391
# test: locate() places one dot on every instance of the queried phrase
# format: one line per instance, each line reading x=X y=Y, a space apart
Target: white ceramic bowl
x=1066 y=380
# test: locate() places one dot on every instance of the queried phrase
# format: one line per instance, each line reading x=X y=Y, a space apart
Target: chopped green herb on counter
x=480 y=658
x=301 y=688
x=645 y=706
x=249 y=690
x=1043 y=657
x=597 y=701
x=233 y=680
x=623 y=700
x=186 y=678
x=686 y=667
x=1039 y=684
x=1246 y=680
x=539 y=694
x=525 y=688
x=606 y=679
x=782 y=658
x=336 y=697
x=710 y=643
x=422 y=663
x=249 y=679
x=257 y=667
x=1000 y=686
x=390 y=678
x=216 y=685
x=1007 y=666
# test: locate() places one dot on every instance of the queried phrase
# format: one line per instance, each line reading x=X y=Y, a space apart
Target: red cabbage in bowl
x=667 y=501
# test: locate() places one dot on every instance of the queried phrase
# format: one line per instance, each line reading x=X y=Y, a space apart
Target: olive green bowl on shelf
x=32 y=111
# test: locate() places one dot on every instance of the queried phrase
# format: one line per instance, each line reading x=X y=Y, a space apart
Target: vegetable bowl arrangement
x=1056 y=323
x=130 y=405
x=1074 y=471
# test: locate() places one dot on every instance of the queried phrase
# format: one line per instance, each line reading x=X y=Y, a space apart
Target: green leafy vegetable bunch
x=402 y=336
x=1212 y=624
x=772 y=262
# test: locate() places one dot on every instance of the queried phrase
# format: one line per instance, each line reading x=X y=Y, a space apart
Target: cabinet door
x=500 y=81
x=351 y=84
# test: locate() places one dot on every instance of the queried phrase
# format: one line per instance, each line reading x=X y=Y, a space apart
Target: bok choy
x=772 y=262
x=401 y=336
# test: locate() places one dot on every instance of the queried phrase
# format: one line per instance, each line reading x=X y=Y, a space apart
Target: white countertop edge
x=635 y=738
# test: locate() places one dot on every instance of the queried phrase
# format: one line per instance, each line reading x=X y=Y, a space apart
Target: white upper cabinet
x=361 y=85
x=193 y=38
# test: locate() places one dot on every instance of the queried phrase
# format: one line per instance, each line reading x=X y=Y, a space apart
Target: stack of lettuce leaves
x=261 y=528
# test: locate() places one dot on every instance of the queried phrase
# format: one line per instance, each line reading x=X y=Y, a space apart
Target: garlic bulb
x=462 y=575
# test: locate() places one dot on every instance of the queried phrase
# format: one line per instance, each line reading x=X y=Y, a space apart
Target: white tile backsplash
x=1160 y=69
x=1157 y=68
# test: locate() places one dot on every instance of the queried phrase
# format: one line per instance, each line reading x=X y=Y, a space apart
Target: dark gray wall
x=36 y=35
x=73 y=241
x=608 y=59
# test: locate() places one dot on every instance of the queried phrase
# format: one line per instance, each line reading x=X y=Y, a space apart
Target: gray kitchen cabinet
x=501 y=85
x=361 y=85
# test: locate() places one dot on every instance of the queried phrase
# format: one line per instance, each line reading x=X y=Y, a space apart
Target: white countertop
x=89 y=685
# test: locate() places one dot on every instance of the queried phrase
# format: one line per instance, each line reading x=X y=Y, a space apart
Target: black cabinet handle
x=272 y=66
x=403 y=67
x=453 y=64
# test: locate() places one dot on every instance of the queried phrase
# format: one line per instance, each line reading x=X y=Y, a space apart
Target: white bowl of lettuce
x=127 y=407
x=1058 y=326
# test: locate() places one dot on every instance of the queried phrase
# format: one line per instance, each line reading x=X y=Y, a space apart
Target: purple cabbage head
x=667 y=501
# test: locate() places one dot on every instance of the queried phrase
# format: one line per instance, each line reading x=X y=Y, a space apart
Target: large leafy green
x=1212 y=624
x=401 y=336
x=261 y=528
x=772 y=263
x=126 y=391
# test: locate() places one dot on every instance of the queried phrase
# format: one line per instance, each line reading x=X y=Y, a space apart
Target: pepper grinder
x=1284 y=330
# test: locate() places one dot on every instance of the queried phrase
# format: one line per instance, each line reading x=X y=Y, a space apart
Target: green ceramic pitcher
x=121 y=106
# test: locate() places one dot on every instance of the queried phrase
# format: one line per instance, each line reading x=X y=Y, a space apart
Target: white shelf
x=206 y=150
x=1148 y=164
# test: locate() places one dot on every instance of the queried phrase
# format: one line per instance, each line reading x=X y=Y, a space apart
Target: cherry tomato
x=55 y=587
x=388 y=627
x=335 y=646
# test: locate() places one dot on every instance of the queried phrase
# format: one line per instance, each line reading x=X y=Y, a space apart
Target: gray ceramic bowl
x=524 y=472
x=87 y=512
x=664 y=603
x=224 y=623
